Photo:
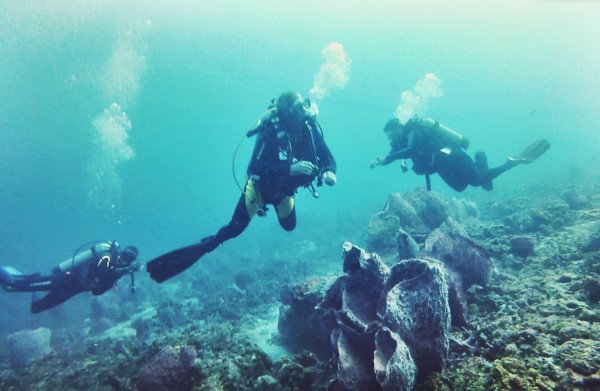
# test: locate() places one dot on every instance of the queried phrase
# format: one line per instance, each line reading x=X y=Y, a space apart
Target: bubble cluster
x=112 y=127
x=415 y=102
x=333 y=73
x=120 y=83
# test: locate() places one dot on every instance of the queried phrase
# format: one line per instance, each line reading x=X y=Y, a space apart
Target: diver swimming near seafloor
x=94 y=267
x=435 y=148
x=290 y=152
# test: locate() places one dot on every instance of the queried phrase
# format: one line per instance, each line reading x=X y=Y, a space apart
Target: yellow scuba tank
x=446 y=133
x=82 y=257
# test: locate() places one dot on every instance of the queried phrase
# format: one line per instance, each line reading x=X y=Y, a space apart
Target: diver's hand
x=302 y=167
x=134 y=267
x=329 y=178
x=376 y=162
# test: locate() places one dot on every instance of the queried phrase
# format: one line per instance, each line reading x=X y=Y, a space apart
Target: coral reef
x=516 y=322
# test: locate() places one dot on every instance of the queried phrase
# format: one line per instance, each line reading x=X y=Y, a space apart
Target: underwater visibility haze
x=127 y=121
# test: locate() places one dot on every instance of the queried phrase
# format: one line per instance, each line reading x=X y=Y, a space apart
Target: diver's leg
x=250 y=201
x=496 y=171
x=53 y=298
x=238 y=223
x=456 y=169
x=37 y=283
x=13 y=281
x=286 y=213
x=531 y=153
x=486 y=175
x=456 y=180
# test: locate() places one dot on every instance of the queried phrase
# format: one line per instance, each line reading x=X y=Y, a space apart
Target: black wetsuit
x=269 y=172
x=432 y=153
x=97 y=275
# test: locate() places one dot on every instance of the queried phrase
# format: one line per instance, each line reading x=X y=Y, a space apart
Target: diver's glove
x=302 y=167
x=376 y=162
x=329 y=178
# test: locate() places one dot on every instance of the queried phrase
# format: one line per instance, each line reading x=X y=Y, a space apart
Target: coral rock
x=451 y=245
x=431 y=208
x=394 y=365
x=575 y=199
x=387 y=327
x=591 y=287
x=406 y=245
x=414 y=304
x=298 y=325
x=416 y=213
x=522 y=246
x=593 y=242
x=28 y=346
x=169 y=369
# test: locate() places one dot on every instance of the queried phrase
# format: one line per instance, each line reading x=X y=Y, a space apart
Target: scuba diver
x=289 y=152
x=96 y=269
x=435 y=148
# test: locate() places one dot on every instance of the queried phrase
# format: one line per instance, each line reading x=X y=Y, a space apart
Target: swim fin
x=531 y=153
x=169 y=265
x=9 y=278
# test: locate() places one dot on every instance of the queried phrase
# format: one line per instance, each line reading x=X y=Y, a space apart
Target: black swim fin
x=169 y=265
x=531 y=153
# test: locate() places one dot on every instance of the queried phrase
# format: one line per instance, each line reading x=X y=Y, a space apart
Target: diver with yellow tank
x=435 y=148
x=94 y=267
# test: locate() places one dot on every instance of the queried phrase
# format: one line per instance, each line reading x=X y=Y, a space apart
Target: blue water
x=118 y=120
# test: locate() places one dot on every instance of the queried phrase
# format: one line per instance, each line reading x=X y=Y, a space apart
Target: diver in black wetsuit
x=289 y=153
x=435 y=148
x=95 y=269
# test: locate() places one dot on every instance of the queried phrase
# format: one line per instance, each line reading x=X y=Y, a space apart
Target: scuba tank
x=81 y=257
x=446 y=133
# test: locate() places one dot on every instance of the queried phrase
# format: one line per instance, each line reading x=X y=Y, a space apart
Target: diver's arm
x=328 y=169
x=134 y=267
x=326 y=159
x=327 y=164
x=395 y=154
x=378 y=161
